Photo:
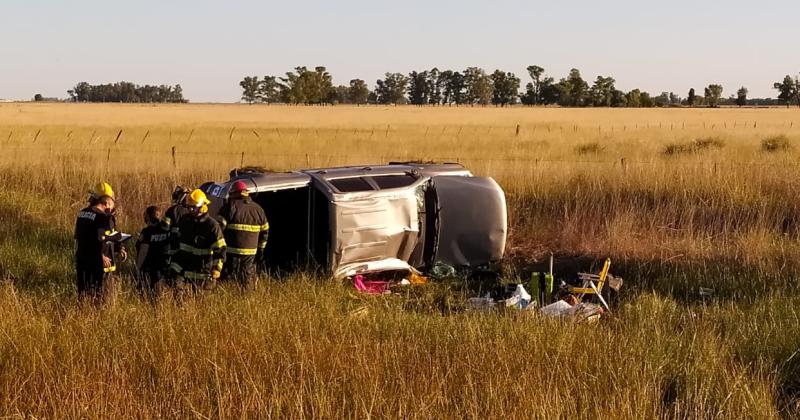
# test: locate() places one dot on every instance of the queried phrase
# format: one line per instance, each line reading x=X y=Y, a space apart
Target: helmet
x=100 y=190
x=239 y=187
x=198 y=200
x=179 y=194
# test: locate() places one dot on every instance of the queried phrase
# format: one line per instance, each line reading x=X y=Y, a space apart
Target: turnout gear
x=246 y=231
x=201 y=251
x=96 y=239
x=173 y=216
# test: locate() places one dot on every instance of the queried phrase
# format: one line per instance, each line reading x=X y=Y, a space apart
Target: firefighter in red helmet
x=246 y=229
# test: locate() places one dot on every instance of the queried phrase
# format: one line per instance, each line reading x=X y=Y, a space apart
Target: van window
x=351 y=184
x=393 y=181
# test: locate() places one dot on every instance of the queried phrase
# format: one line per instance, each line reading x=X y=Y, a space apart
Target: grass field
x=678 y=198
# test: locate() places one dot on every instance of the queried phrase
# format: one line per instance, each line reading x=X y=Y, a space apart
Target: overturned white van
x=391 y=216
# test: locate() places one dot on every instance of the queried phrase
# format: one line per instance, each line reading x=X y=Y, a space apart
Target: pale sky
x=47 y=46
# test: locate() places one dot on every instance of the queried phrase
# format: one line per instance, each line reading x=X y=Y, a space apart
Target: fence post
x=174 y=163
x=108 y=156
x=622 y=164
x=118 y=136
x=37 y=135
x=517 y=133
x=241 y=161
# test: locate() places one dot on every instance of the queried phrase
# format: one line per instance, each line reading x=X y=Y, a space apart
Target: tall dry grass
x=717 y=211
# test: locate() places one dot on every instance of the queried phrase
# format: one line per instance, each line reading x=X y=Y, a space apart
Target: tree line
x=474 y=86
x=126 y=92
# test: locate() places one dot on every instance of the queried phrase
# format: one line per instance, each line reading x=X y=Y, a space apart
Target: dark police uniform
x=95 y=237
x=156 y=262
x=246 y=230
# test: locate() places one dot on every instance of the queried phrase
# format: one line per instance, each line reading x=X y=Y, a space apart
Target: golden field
x=678 y=198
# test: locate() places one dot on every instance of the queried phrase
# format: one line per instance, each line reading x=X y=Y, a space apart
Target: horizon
x=208 y=48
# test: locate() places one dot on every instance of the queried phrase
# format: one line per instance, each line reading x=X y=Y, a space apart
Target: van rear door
x=471 y=221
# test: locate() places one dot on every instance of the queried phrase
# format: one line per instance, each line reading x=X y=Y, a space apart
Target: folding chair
x=589 y=287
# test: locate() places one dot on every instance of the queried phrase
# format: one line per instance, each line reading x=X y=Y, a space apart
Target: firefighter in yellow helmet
x=197 y=263
x=97 y=243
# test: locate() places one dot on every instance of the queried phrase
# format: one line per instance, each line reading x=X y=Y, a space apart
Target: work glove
x=215 y=274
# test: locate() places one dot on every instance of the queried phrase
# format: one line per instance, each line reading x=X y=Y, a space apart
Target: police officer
x=246 y=230
x=152 y=258
x=96 y=244
x=201 y=250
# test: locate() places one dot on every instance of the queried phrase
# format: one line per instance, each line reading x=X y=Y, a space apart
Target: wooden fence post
x=174 y=163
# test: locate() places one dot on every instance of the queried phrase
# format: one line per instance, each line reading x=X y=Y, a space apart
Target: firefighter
x=246 y=229
x=152 y=258
x=96 y=244
x=174 y=214
x=201 y=251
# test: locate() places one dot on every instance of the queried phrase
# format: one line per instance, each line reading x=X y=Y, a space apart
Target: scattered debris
x=520 y=299
x=370 y=287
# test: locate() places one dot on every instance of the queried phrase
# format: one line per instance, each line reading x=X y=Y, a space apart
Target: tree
x=662 y=100
x=250 y=89
x=454 y=90
x=81 y=91
x=789 y=90
x=741 y=96
x=269 y=90
x=505 y=88
x=339 y=95
x=691 y=98
x=534 y=89
x=435 y=86
x=38 y=97
x=618 y=98
x=479 y=86
x=304 y=86
x=392 y=89
x=646 y=100
x=550 y=93
x=359 y=92
x=573 y=90
x=530 y=95
x=634 y=98
x=713 y=93
x=602 y=91
x=125 y=92
x=418 y=88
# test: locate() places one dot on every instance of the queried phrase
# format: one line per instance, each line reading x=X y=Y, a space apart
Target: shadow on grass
x=34 y=254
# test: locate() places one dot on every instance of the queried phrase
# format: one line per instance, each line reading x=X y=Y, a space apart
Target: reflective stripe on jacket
x=245 y=226
x=201 y=246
